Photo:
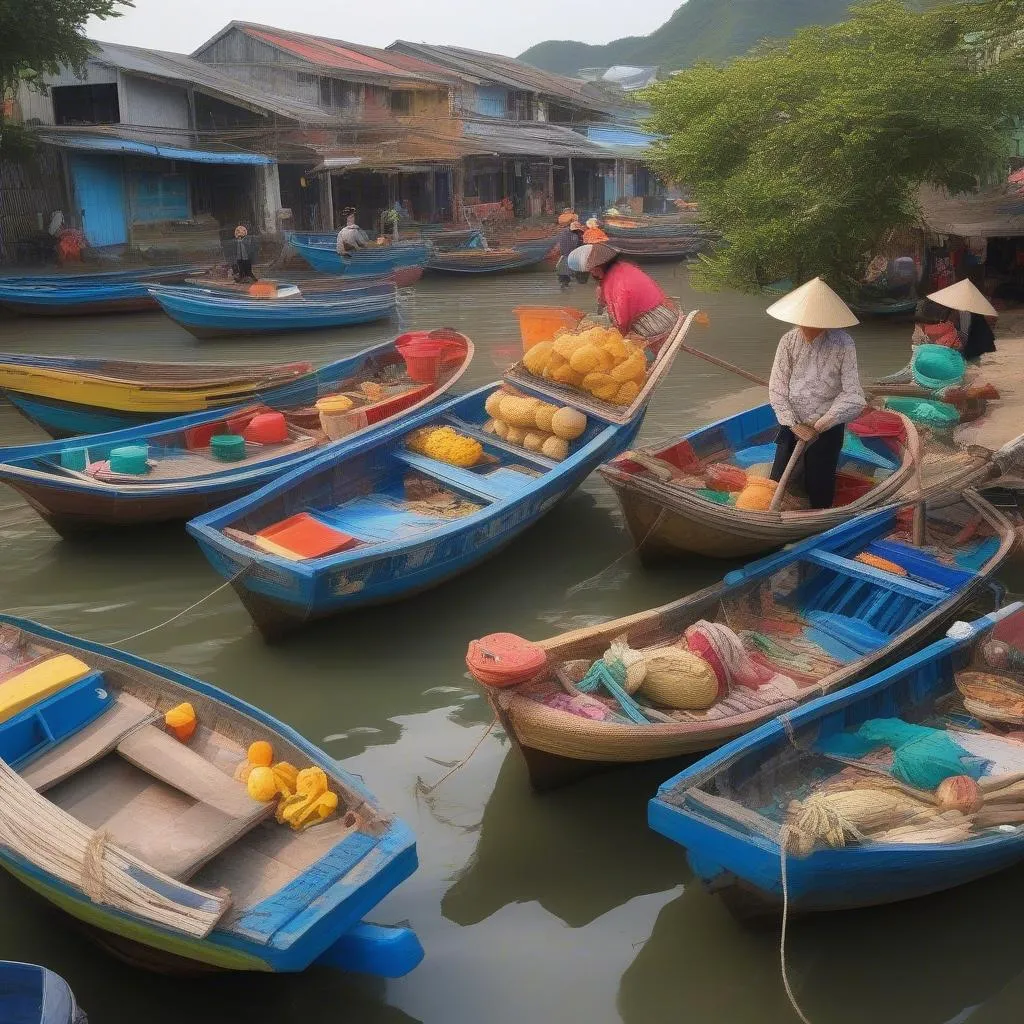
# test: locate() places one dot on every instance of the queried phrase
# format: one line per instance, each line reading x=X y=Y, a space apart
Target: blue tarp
x=107 y=144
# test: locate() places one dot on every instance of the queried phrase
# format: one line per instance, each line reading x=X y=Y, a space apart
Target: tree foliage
x=38 y=36
x=805 y=153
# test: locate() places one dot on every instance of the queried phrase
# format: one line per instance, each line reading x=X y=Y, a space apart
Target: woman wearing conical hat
x=815 y=385
x=971 y=310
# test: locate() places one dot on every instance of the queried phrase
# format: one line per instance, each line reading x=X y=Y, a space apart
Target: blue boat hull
x=372 y=261
x=745 y=867
x=280 y=600
x=30 y=994
x=207 y=314
x=66 y=419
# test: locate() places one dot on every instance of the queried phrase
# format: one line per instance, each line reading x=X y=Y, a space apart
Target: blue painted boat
x=30 y=994
x=373 y=260
x=140 y=830
x=71 y=485
x=471 y=260
x=729 y=809
x=207 y=313
x=400 y=549
x=74 y=295
x=809 y=620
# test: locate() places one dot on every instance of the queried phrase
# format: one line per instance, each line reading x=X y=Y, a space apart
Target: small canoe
x=672 y=513
x=883 y=307
x=74 y=295
x=653 y=250
x=142 y=832
x=71 y=395
x=207 y=313
x=815 y=617
x=674 y=231
x=491 y=261
x=373 y=260
x=729 y=809
x=73 y=487
x=30 y=994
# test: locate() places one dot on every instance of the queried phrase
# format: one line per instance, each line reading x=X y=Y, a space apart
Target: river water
x=531 y=909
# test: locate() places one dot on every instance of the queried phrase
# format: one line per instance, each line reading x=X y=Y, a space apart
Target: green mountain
x=698 y=30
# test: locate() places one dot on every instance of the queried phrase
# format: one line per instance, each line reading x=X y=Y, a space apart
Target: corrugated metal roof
x=181 y=68
x=116 y=144
x=362 y=62
x=532 y=138
x=492 y=67
x=993 y=213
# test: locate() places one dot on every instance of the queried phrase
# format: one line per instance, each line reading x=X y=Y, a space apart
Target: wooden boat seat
x=88 y=744
x=869 y=574
x=494 y=486
x=542 y=462
x=165 y=758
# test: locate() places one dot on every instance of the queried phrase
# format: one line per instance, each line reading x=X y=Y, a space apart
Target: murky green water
x=531 y=909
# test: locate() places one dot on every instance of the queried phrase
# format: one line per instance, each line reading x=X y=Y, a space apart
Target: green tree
x=38 y=36
x=804 y=153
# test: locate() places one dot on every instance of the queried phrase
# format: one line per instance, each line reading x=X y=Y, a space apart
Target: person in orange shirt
x=594 y=233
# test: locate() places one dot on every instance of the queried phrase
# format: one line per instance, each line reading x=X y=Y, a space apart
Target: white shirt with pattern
x=816 y=382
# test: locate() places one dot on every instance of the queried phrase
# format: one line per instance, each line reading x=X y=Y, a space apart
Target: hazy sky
x=181 y=25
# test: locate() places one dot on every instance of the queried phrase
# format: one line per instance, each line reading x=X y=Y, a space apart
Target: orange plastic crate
x=307 y=537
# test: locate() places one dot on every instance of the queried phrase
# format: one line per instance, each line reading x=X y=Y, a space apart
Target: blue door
x=99 y=192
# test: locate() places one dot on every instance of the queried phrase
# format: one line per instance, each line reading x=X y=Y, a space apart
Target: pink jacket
x=628 y=293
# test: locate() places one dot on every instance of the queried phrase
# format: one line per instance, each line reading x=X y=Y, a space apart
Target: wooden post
x=572 y=187
x=551 y=181
x=326 y=201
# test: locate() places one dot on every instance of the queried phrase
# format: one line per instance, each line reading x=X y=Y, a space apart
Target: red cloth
x=944 y=334
x=628 y=293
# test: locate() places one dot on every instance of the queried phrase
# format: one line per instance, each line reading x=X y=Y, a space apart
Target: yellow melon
x=568 y=423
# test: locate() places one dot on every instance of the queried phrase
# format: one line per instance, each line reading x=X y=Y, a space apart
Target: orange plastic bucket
x=541 y=323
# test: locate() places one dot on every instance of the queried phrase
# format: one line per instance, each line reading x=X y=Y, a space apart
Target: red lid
x=504 y=659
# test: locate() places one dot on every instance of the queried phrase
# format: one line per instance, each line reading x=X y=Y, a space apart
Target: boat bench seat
x=869 y=574
x=495 y=486
x=41 y=680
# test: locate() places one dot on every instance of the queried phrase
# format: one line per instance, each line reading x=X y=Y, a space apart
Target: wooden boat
x=653 y=250
x=491 y=261
x=374 y=260
x=728 y=809
x=70 y=395
x=71 y=485
x=74 y=295
x=669 y=517
x=863 y=306
x=814 y=613
x=151 y=843
x=30 y=994
x=207 y=313
x=638 y=230
x=392 y=521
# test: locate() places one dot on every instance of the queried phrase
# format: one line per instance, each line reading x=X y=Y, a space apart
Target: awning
x=111 y=144
x=991 y=213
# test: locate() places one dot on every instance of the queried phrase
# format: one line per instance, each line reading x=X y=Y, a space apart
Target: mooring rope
x=785 y=922
x=451 y=771
x=577 y=587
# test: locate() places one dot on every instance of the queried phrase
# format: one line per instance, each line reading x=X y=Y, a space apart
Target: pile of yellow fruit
x=446 y=445
x=597 y=360
x=532 y=424
x=305 y=799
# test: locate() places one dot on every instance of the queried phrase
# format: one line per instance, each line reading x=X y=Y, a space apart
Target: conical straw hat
x=813 y=305
x=964 y=297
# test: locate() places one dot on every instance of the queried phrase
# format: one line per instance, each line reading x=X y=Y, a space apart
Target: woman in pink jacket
x=635 y=303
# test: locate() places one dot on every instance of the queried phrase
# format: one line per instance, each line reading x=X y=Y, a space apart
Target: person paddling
x=815 y=386
x=635 y=304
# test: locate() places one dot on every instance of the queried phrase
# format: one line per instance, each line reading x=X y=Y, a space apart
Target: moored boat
x=130 y=802
x=746 y=814
x=653 y=250
x=30 y=994
x=515 y=256
x=70 y=395
x=397 y=514
x=74 y=295
x=781 y=631
x=372 y=260
x=207 y=313
x=76 y=488
x=673 y=508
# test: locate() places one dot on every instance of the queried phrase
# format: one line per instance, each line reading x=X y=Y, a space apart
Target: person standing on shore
x=244 y=249
x=815 y=385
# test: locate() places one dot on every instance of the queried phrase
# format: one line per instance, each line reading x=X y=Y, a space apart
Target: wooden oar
x=780 y=491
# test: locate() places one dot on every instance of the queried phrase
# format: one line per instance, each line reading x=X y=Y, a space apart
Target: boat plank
x=869 y=574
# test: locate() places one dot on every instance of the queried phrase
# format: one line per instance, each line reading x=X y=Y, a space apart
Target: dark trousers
x=821 y=458
x=243 y=270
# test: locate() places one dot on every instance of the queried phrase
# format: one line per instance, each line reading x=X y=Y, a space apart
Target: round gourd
x=555 y=362
x=567 y=375
x=605 y=360
x=261 y=753
x=536 y=357
x=518 y=411
x=261 y=784
x=567 y=344
x=568 y=423
x=616 y=347
x=678 y=679
x=630 y=368
x=585 y=359
x=533 y=440
x=556 y=448
x=501 y=428
x=493 y=404
x=627 y=393
x=515 y=435
x=543 y=415
x=959 y=793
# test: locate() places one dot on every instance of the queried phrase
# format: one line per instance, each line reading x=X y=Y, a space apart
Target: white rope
x=576 y=588
x=424 y=788
x=785 y=923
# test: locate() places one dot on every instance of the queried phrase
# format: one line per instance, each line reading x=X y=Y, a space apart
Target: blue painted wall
x=157 y=196
x=99 y=194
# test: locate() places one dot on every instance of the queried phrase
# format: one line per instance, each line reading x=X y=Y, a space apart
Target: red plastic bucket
x=426 y=352
x=266 y=428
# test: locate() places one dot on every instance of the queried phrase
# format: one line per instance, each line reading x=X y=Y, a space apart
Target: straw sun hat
x=813 y=305
x=586 y=257
x=965 y=298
